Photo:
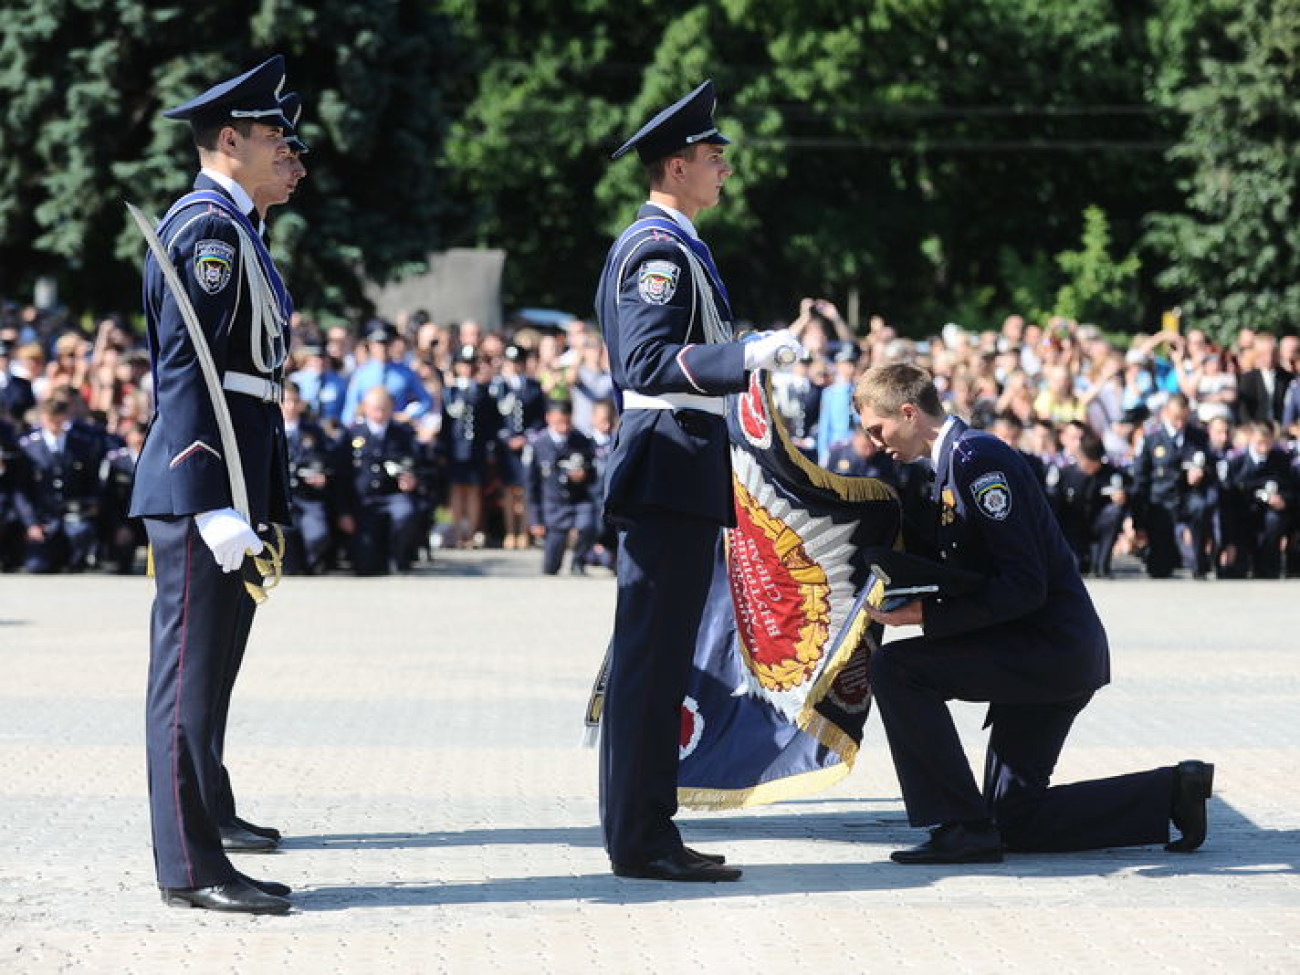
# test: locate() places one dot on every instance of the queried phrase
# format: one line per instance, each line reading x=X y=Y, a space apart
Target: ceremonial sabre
x=234 y=465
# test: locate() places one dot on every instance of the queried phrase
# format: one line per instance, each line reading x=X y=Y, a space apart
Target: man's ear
x=228 y=139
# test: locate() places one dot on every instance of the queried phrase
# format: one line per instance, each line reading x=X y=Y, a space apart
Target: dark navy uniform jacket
x=845 y=460
x=674 y=460
x=1159 y=471
x=312 y=451
x=521 y=404
x=470 y=420
x=182 y=468
x=994 y=519
x=377 y=460
x=553 y=495
x=67 y=483
x=15 y=480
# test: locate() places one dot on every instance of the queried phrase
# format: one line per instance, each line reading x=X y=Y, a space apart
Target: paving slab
x=417 y=738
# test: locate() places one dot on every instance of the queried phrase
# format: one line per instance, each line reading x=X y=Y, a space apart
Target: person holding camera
x=382 y=493
x=64 y=456
x=313 y=483
x=1261 y=487
x=1172 y=501
x=560 y=475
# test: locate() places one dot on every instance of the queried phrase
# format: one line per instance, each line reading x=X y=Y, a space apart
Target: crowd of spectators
x=1165 y=446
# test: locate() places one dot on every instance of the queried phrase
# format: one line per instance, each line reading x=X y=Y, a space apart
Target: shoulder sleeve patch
x=657 y=281
x=214 y=262
x=992 y=495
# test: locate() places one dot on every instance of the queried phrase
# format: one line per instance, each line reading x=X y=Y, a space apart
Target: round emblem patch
x=657 y=282
x=992 y=495
x=213 y=262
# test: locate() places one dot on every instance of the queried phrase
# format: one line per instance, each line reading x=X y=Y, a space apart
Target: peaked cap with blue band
x=254 y=96
x=682 y=124
x=291 y=107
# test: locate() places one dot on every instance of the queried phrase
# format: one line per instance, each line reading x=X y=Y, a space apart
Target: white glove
x=229 y=536
x=772 y=350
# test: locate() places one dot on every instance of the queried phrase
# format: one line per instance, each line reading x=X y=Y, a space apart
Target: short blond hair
x=886 y=388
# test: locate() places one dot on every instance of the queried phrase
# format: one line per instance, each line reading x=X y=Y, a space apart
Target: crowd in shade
x=409 y=435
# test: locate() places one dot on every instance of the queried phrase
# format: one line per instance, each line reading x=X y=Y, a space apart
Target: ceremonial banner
x=779 y=694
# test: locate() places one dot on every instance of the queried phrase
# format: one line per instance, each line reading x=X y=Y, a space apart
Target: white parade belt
x=673 y=401
x=264 y=389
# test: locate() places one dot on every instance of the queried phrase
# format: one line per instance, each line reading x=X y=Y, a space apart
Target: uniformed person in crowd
x=315 y=491
x=860 y=457
x=212 y=474
x=17 y=512
x=1025 y=637
x=323 y=389
x=383 y=367
x=1090 y=500
x=1172 y=480
x=122 y=536
x=16 y=395
x=797 y=399
x=604 y=425
x=666 y=315
x=1011 y=432
x=522 y=406
x=1262 y=491
x=383 y=495
x=470 y=422
x=560 y=473
x=64 y=457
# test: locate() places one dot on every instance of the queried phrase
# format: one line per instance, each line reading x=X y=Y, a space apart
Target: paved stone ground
x=431 y=830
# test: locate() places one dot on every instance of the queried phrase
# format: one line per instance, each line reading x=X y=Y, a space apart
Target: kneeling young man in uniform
x=1028 y=641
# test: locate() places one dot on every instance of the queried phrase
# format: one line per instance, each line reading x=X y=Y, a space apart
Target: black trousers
x=912 y=682
x=665 y=563
x=199 y=624
x=580 y=516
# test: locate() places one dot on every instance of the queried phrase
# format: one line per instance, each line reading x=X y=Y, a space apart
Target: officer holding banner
x=666 y=316
x=212 y=474
x=1023 y=635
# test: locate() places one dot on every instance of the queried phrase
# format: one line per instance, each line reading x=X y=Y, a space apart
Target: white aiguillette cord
x=234 y=466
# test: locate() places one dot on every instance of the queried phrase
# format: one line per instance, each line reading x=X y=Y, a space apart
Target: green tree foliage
x=1233 y=254
x=910 y=149
x=1098 y=287
x=82 y=83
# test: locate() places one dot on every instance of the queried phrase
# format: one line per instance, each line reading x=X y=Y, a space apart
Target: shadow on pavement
x=1235 y=846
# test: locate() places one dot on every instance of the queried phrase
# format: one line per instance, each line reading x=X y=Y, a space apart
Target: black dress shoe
x=266 y=886
x=717 y=858
x=956 y=843
x=1193 y=782
x=236 y=840
x=235 y=897
x=269 y=832
x=679 y=866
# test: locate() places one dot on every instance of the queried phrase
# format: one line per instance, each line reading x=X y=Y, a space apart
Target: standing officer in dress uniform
x=666 y=318
x=1173 y=476
x=382 y=493
x=212 y=473
x=470 y=421
x=1027 y=640
x=522 y=406
x=64 y=457
x=560 y=473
